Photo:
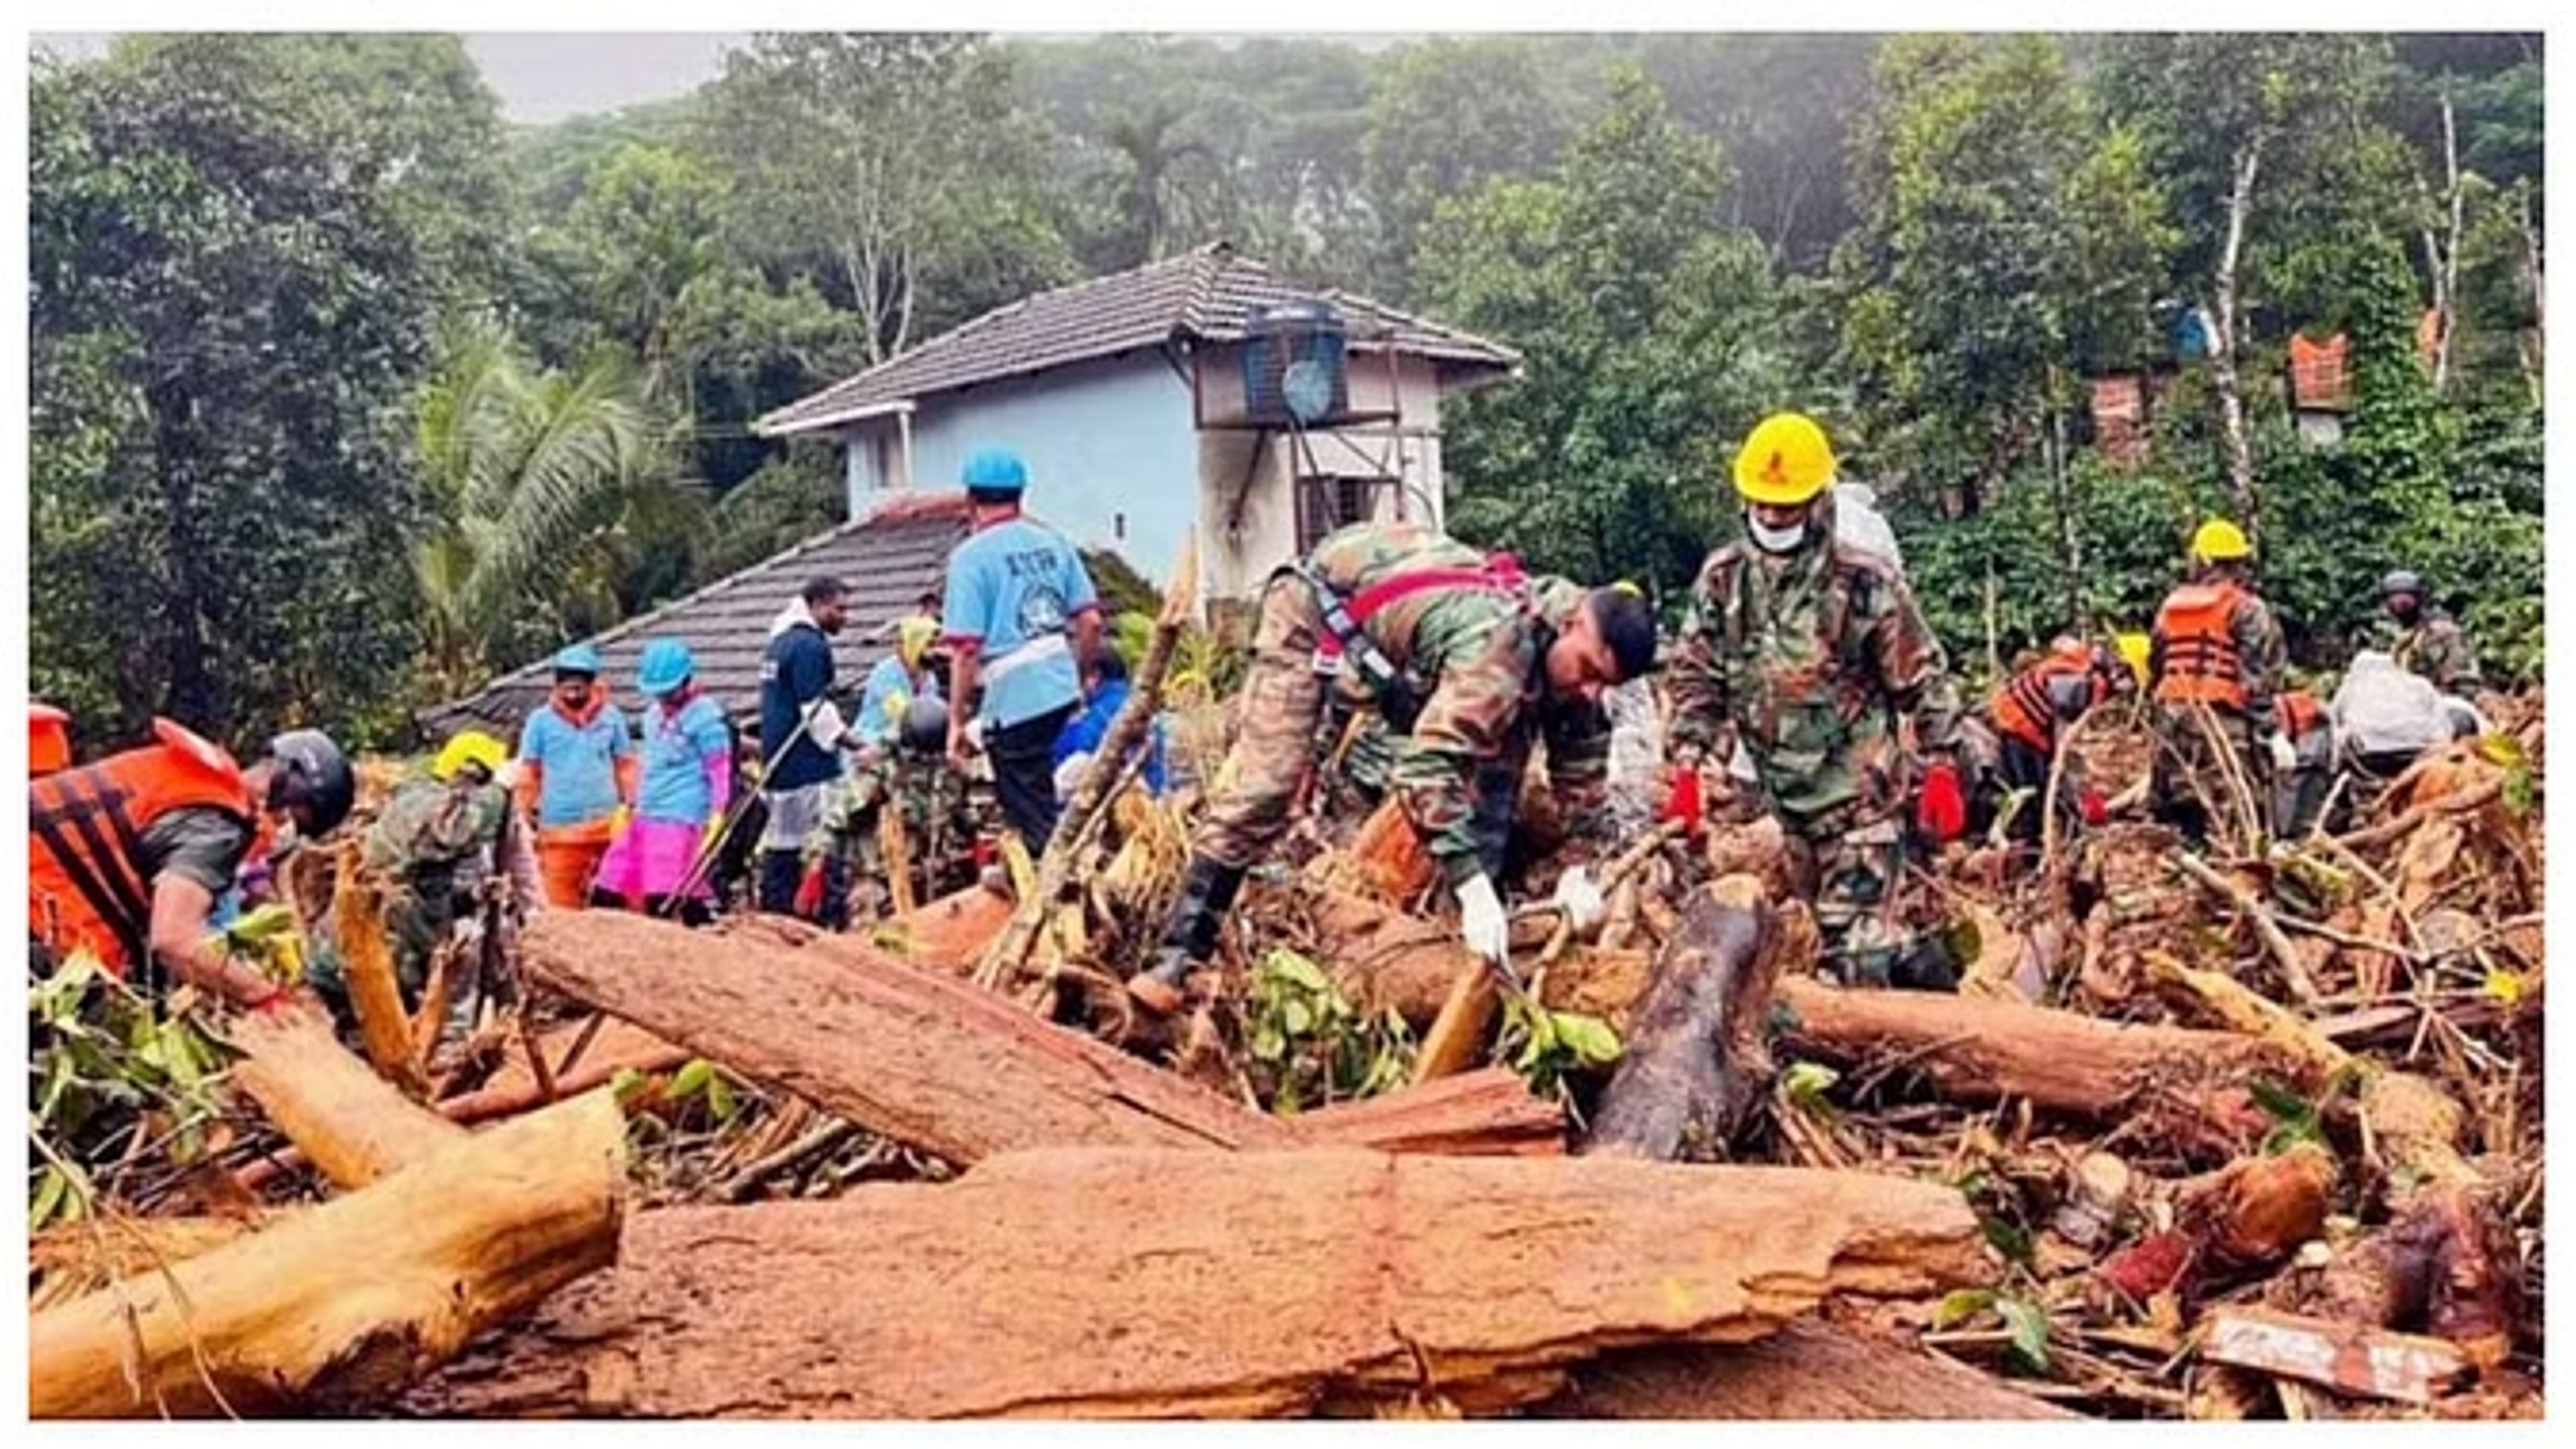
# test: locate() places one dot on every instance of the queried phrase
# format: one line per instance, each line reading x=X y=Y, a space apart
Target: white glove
x=1580 y=899
x=975 y=734
x=1068 y=776
x=2285 y=758
x=1481 y=922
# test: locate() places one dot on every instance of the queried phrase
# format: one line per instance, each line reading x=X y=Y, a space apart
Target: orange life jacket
x=2299 y=713
x=85 y=886
x=2023 y=708
x=2201 y=665
x=49 y=740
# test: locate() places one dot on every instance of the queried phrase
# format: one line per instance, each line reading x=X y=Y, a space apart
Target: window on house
x=1325 y=504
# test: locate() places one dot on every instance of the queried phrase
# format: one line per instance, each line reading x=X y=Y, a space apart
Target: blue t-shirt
x=580 y=763
x=889 y=679
x=1084 y=732
x=1017 y=586
x=795 y=671
x=676 y=750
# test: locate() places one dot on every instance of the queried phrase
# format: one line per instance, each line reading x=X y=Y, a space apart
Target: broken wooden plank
x=351 y=1124
x=2349 y=1358
x=906 y=1052
x=1128 y=1284
x=1481 y=1114
x=337 y=1307
x=1808 y=1370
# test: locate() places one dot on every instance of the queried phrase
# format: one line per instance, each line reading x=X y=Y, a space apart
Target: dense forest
x=346 y=393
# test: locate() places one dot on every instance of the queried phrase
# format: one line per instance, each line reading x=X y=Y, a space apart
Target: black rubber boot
x=1207 y=893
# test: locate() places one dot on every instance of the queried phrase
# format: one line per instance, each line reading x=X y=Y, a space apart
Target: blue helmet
x=997 y=469
x=578 y=659
x=666 y=666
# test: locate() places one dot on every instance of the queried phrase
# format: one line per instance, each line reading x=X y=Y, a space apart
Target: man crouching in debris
x=1812 y=649
x=1461 y=653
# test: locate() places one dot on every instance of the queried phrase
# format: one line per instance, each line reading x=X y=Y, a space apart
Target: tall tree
x=1448 y=114
x=238 y=247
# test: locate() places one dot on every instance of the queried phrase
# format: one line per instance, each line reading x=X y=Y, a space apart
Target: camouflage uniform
x=432 y=846
x=1474 y=656
x=1811 y=659
x=927 y=794
x=2438 y=649
x=2185 y=767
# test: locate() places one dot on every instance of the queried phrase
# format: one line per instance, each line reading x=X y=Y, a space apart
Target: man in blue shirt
x=1021 y=617
x=796 y=705
x=1105 y=684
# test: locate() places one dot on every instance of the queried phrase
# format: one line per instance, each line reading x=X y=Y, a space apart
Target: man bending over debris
x=1810 y=650
x=1463 y=655
x=125 y=857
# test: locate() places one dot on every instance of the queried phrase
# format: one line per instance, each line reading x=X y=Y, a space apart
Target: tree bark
x=1136 y=1284
x=1490 y=1113
x=911 y=1054
x=2222 y=348
x=1808 y=1370
x=1695 y=1064
x=367 y=963
x=351 y=1124
x=337 y=1307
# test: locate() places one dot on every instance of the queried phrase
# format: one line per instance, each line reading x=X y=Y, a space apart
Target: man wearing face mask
x=2429 y=641
x=1810 y=651
x=1469 y=662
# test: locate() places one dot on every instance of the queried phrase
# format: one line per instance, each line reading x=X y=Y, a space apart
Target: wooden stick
x=2457 y=804
x=2295 y=971
x=1458 y=1033
x=1010 y=954
x=367 y=964
x=895 y=843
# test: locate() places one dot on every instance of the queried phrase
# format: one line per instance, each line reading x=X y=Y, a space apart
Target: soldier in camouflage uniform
x=912 y=776
x=1810 y=651
x=2214 y=661
x=2429 y=641
x=1470 y=663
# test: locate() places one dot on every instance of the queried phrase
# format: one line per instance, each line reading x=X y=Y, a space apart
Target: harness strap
x=115 y=896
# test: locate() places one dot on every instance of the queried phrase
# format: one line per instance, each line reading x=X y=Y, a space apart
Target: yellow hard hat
x=2135 y=648
x=1785 y=461
x=2219 y=540
x=470 y=747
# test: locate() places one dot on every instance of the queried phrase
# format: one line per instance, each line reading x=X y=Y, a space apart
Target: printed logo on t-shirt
x=1041 y=612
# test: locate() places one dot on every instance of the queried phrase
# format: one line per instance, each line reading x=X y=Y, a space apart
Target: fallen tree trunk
x=367 y=968
x=1695 y=1063
x=946 y=933
x=618 y=1047
x=337 y=1307
x=905 y=1052
x=1808 y=1370
x=351 y=1123
x=1246 y=1284
x=64 y=1263
x=1489 y=1113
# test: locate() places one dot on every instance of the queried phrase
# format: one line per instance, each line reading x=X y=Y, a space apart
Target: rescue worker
x=2215 y=659
x=576 y=776
x=681 y=794
x=436 y=843
x=49 y=739
x=2031 y=712
x=2429 y=641
x=802 y=734
x=1021 y=619
x=127 y=856
x=896 y=681
x=1809 y=652
x=2384 y=717
x=909 y=774
x=1470 y=662
x=1105 y=690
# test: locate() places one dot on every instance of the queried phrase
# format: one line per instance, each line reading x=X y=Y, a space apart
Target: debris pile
x=2198 y=1137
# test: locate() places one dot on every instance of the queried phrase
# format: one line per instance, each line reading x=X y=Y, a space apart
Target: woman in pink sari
x=680 y=801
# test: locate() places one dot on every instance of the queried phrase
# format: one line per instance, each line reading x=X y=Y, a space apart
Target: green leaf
x=1267 y=1044
x=1591 y=1040
x=721 y=1100
x=1807 y=1082
x=2029 y=1325
x=625 y=1085
x=691 y=1079
x=51 y=1189
x=1961 y=1305
x=2010 y=1239
x=1297 y=971
x=1295 y=1019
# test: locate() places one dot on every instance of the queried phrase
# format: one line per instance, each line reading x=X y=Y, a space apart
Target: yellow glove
x=618 y=822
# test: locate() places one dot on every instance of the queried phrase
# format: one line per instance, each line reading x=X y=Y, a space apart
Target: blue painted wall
x=1109 y=445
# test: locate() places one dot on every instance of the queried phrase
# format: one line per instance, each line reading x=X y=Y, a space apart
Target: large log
x=351 y=1123
x=1488 y=1113
x=617 y=1047
x=337 y=1307
x=1808 y=1370
x=906 y=1052
x=1131 y=1284
x=1695 y=1063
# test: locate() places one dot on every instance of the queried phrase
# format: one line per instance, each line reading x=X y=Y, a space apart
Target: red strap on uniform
x=1385 y=592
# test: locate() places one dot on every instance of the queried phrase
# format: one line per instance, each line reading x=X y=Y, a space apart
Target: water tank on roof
x=1293 y=367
